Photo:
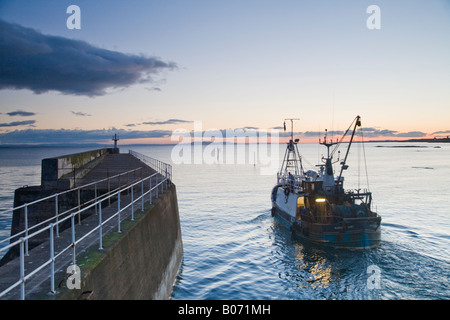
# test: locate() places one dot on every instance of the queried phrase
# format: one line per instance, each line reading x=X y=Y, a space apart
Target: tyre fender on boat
x=360 y=213
x=274 y=192
x=378 y=224
x=286 y=193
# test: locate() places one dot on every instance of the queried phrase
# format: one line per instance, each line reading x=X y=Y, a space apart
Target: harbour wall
x=57 y=174
x=142 y=262
x=62 y=172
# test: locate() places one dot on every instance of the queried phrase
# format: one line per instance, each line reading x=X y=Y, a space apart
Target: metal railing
x=292 y=182
x=123 y=179
x=160 y=167
x=156 y=182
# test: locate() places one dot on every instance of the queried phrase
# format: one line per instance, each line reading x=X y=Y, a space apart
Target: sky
x=145 y=68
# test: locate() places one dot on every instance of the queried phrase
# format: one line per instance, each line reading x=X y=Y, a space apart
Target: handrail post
x=118 y=211
x=100 y=226
x=73 y=237
x=22 y=270
x=79 y=206
x=95 y=197
x=109 y=186
x=132 y=203
x=52 y=259
x=166 y=182
x=57 y=214
x=26 y=230
x=142 y=195
x=150 y=188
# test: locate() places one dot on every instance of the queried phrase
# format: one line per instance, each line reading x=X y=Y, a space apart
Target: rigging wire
x=359 y=167
x=365 y=158
x=342 y=138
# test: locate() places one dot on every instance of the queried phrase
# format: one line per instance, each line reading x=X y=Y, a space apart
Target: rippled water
x=234 y=249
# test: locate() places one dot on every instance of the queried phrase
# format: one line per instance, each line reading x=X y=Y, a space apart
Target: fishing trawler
x=316 y=206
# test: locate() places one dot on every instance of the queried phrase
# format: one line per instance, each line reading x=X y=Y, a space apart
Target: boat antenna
x=292 y=126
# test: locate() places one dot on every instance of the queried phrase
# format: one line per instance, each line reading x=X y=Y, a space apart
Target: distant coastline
x=102 y=145
x=429 y=140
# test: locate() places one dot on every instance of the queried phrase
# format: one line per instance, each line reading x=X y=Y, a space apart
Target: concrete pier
x=135 y=254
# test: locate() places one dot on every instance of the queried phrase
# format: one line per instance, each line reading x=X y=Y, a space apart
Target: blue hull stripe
x=354 y=239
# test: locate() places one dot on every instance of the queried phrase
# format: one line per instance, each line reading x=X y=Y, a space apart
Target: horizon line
x=82 y=145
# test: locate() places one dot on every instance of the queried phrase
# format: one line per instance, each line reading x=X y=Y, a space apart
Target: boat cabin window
x=320 y=210
x=312 y=186
x=300 y=202
x=300 y=206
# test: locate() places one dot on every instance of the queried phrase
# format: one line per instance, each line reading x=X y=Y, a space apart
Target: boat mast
x=327 y=144
x=292 y=161
x=292 y=126
x=327 y=173
x=344 y=166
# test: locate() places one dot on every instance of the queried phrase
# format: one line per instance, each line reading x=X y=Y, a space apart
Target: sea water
x=234 y=249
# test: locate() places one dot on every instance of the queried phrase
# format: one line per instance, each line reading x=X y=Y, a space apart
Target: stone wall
x=62 y=172
x=141 y=263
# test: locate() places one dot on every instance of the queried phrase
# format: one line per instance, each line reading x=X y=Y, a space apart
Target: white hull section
x=286 y=204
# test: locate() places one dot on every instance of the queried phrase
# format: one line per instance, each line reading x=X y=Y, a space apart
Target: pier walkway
x=120 y=185
x=114 y=165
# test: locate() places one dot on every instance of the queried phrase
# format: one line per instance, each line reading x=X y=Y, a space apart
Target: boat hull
x=352 y=233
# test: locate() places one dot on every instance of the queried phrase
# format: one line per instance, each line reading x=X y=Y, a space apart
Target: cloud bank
x=157 y=123
x=170 y=121
x=368 y=133
x=41 y=63
x=18 y=123
x=20 y=113
x=66 y=137
x=445 y=132
x=80 y=114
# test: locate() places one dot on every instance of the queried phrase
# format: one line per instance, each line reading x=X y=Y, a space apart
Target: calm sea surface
x=234 y=249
